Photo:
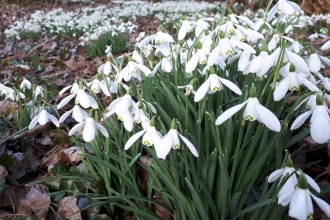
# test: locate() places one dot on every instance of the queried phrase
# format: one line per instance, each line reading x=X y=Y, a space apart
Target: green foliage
x=23 y=35
x=118 y=45
x=6 y=161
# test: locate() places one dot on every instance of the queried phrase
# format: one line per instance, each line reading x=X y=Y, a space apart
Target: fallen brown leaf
x=71 y=64
x=5 y=106
x=36 y=202
x=68 y=157
x=68 y=206
x=11 y=196
x=60 y=82
x=25 y=67
x=23 y=163
x=3 y=173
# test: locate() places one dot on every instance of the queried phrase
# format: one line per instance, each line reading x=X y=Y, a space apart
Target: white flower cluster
x=93 y=22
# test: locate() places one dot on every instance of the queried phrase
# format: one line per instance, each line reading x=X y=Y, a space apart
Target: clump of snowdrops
x=207 y=113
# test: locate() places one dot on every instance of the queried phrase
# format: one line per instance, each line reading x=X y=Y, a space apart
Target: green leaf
x=252 y=207
x=197 y=200
x=59 y=168
x=134 y=159
x=6 y=161
x=80 y=170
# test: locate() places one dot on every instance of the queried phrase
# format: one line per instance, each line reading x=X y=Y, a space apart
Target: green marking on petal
x=249 y=117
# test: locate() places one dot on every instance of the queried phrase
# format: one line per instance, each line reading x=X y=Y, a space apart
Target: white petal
x=314 y=63
x=191 y=65
x=297 y=61
x=65 y=101
x=65 y=115
x=54 y=120
x=76 y=128
x=320 y=128
x=43 y=117
x=322 y=204
x=269 y=61
x=268 y=118
x=256 y=64
x=34 y=122
x=145 y=41
x=275 y=175
x=272 y=12
x=281 y=89
x=165 y=146
x=102 y=129
x=64 y=89
x=132 y=139
x=128 y=121
x=300 y=120
x=89 y=130
x=326 y=45
x=143 y=68
x=230 y=112
x=298 y=205
x=244 y=47
x=231 y=86
x=326 y=60
x=202 y=90
x=189 y=145
x=182 y=32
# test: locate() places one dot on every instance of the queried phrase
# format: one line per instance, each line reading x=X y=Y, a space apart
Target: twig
x=42 y=44
x=24 y=134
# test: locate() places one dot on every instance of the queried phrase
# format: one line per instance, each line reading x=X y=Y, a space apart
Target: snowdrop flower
x=74 y=88
x=295 y=46
x=108 y=51
x=325 y=81
x=301 y=206
x=106 y=68
x=171 y=140
x=253 y=111
x=151 y=137
x=132 y=70
x=90 y=127
x=287 y=190
x=316 y=35
x=314 y=62
x=189 y=88
x=8 y=92
x=140 y=117
x=226 y=48
x=213 y=84
x=124 y=107
x=320 y=121
x=136 y=57
x=77 y=113
x=165 y=64
x=256 y=64
x=299 y=63
x=42 y=118
x=140 y=37
x=291 y=81
x=326 y=45
x=198 y=57
x=206 y=41
x=39 y=90
x=287 y=7
x=273 y=42
x=184 y=29
x=82 y=98
x=25 y=84
x=159 y=38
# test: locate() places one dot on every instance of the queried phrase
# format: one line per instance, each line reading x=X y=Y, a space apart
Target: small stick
x=25 y=133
